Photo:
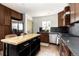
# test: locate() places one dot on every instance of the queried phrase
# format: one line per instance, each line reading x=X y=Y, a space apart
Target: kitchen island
x=26 y=45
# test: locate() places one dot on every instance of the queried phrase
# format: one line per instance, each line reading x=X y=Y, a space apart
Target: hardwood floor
x=1 y=53
x=51 y=50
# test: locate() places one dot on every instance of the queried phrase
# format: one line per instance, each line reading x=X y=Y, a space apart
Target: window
x=14 y=25
x=46 y=25
x=20 y=26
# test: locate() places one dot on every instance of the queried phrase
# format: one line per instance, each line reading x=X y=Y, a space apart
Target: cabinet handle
x=34 y=40
x=26 y=44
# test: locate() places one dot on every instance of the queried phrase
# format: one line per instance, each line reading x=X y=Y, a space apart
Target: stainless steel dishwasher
x=55 y=38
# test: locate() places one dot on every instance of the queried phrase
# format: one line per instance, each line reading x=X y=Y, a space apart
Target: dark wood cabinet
x=64 y=50
x=2 y=15
x=1 y=31
x=61 y=19
x=74 y=9
x=28 y=48
x=7 y=16
x=64 y=17
x=24 y=48
x=67 y=19
x=5 y=21
x=35 y=46
x=44 y=37
x=76 y=12
x=1 y=36
x=67 y=9
x=7 y=30
x=72 y=12
x=16 y=15
x=4 y=30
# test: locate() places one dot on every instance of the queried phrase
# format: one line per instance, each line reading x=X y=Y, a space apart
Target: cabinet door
x=61 y=21
x=7 y=30
x=25 y=51
x=77 y=12
x=1 y=36
x=67 y=19
x=16 y=15
x=24 y=48
x=7 y=16
x=1 y=15
x=72 y=12
x=44 y=37
x=1 y=32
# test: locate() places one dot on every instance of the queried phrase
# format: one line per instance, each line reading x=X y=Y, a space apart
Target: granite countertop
x=72 y=42
x=19 y=39
x=50 y=32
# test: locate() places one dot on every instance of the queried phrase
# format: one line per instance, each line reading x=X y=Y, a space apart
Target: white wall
x=26 y=18
x=37 y=21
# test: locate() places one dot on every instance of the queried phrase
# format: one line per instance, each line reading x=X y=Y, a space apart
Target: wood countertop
x=19 y=39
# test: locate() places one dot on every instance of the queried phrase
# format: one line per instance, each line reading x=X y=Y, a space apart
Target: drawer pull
x=26 y=44
x=34 y=40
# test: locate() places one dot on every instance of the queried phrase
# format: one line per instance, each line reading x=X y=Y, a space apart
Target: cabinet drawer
x=23 y=46
x=25 y=51
x=34 y=43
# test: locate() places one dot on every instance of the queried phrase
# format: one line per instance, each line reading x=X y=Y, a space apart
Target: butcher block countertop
x=19 y=39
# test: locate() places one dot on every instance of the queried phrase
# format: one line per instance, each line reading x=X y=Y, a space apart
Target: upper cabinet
x=7 y=16
x=72 y=12
x=64 y=17
x=67 y=19
x=76 y=11
x=67 y=15
x=74 y=7
x=61 y=18
x=16 y=15
x=2 y=15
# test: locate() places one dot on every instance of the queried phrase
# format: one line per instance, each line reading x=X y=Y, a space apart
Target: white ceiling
x=34 y=9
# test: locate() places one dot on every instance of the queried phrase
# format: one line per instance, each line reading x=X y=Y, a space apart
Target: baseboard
x=44 y=44
x=54 y=44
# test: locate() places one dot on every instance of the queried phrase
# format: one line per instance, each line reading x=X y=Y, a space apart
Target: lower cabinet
x=64 y=50
x=24 y=49
x=35 y=47
x=44 y=37
x=29 y=48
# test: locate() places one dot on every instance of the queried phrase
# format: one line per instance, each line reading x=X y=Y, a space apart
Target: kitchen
x=53 y=33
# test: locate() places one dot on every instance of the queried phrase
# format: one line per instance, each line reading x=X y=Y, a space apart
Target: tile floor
x=50 y=50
